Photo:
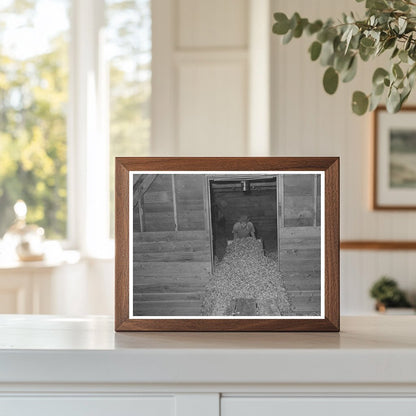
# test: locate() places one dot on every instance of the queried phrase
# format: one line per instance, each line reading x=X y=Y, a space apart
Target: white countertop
x=53 y=349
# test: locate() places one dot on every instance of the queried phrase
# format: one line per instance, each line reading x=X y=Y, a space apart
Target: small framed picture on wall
x=394 y=176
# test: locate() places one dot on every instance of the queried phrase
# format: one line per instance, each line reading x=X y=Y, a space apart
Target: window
x=74 y=93
x=129 y=43
x=33 y=103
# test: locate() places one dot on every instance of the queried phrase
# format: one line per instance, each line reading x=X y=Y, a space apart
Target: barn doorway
x=233 y=196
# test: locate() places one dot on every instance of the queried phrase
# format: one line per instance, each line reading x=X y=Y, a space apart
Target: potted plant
x=387 y=294
x=389 y=27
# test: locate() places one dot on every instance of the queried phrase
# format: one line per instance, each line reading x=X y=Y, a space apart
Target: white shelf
x=48 y=349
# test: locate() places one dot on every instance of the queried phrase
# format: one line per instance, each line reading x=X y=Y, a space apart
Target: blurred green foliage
x=33 y=109
x=129 y=35
x=33 y=98
x=387 y=292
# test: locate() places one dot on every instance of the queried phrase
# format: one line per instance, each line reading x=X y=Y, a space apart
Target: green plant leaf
x=389 y=43
x=315 y=50
x=374 y=102
x=330 y=80
x=376 y=4
x=393 y=101
x=403 y=56
x=379 y=75
x=341 y=61
x=395 y=52
x=327 y=53
x=288 y=37
x=281 y=27
x=408 y=42
x=359 y=103
x=397 y=71
x=351 y=71
x=314 y=27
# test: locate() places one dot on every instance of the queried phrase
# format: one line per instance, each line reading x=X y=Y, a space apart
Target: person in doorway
x=243 y=228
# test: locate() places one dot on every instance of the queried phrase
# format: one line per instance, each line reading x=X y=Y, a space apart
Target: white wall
x=211 y=71
x=308 y=122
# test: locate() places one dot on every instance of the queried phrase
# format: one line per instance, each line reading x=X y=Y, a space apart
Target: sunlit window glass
x=33 y=105
x=129 y=46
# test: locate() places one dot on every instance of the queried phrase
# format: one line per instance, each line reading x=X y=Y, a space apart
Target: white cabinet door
x=268 y=406
x=87 y=406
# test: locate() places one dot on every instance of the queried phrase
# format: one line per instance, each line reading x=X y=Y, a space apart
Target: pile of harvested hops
x=244 y=273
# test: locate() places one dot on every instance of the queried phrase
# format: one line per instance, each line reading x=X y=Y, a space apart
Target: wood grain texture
x=378 y=245
x=330 y=165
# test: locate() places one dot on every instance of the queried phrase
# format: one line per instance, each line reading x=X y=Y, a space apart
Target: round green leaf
x=315 y=50
x=330 y=80
x=367 y=42
x=379 y=75
x=314 y=27
x=281 y=27
x=359 y=103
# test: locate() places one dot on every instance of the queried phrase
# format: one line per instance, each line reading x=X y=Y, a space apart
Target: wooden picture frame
x=135 y=171
x=394 y=185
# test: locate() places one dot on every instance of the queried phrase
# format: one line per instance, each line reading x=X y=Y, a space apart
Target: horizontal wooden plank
x=299 y=244
x=186 y=256
x=195 y=285
x=300 y=232
x=171 y=246
x=305 y=301
x=300 y=265
x=306 y=284
x=171 y=268
x=184 y=296
x=378 y=245
x=304 y=294
x=171 y=236
x=170 y=280
x=167 y=308
x=305 y=253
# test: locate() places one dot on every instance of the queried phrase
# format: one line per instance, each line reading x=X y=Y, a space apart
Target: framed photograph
x=227 y=244
x=394 y=179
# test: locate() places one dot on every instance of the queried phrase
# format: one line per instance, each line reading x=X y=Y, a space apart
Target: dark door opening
x=231 y=198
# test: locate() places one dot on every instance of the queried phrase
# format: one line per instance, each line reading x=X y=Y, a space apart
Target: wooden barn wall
x=186 y=191
x=158 y=205
x=300 y=235
x=259 y=204
x=189 y=192
x=170 y=272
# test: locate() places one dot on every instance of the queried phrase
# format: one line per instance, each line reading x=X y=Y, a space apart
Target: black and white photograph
x=403 y=158
x=226 y=244
x=394 y=159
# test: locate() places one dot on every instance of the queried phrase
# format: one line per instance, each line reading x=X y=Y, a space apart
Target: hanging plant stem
x=389 y=26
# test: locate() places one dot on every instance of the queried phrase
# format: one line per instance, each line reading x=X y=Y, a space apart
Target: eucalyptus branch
x=388 y=25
